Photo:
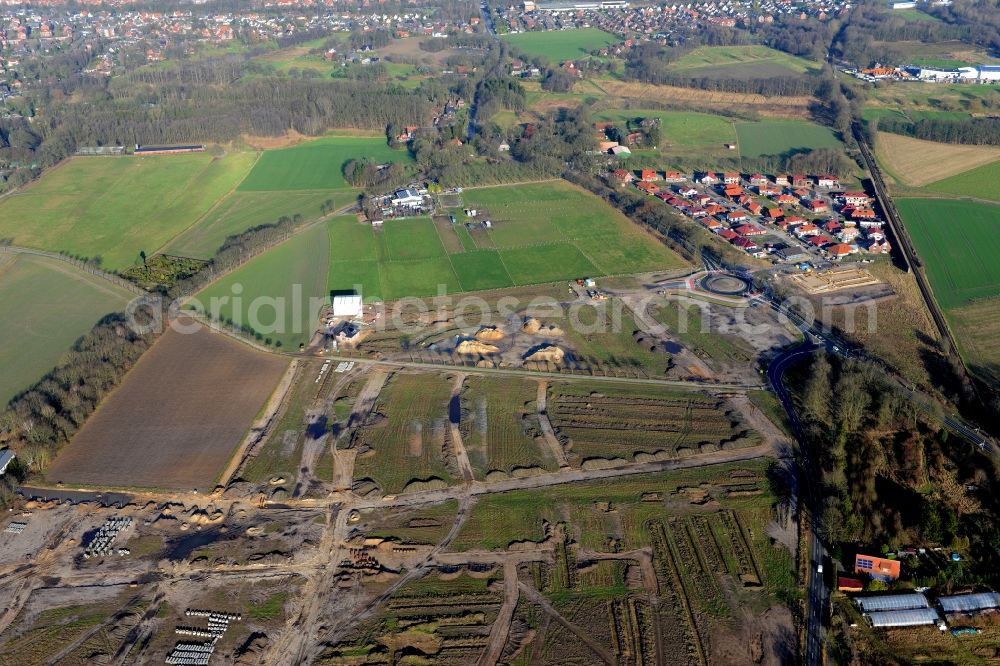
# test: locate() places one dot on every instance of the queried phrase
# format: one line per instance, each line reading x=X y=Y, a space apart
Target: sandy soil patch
x=176 y=419
x=917 y=162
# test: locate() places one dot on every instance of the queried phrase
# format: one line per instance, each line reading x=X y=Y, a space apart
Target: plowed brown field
x=177 y=417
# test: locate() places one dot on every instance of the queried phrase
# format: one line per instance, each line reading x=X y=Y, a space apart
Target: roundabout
x=725 y=284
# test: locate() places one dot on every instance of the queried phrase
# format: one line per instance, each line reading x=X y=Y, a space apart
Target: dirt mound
x=524 y=472
x=418 y=485
x=490 y=334
x=546 y=353
x=603 y=463
x=476 y=348
x=532 y=326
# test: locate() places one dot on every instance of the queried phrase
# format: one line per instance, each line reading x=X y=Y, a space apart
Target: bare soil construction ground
x=165 y=426
x=916 y=162
x=834 y=280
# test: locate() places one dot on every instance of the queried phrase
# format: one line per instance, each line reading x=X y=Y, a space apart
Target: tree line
x=975 y=131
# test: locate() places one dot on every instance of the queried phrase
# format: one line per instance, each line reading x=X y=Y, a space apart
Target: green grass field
x=114 y=207
x=317 y=165
x=740 y=62
x=559 y=45
x=774 y=137
x=279 y=293
x=982 y=183
x=959 y=243
x=45 y=305
x=541 y=232
x=242 y=210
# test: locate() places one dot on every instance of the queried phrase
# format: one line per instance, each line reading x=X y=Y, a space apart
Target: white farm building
x=347 y=306
x=408 y=198
x=980 y=73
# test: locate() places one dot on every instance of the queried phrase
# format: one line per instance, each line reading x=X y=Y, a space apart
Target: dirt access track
x=167 y=425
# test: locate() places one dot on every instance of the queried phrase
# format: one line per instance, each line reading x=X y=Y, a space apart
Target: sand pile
x=489 y=334
x=546 y=353
x=476 y=348
x=532 y=326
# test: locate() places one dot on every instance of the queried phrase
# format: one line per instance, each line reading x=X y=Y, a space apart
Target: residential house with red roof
x=749 y=230
x=855 y=198
x=758 y=179
x=729 y=234
x=828 y=181
x=818 y=206
x=648 y=175
x=647 y=187
x=730 y=178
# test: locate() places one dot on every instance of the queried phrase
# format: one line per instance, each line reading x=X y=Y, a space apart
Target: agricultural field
x=243 y=210
x=317 y=165
x=747 y=62
x=560 y=45
x=916 y=163
x=88 y=206
x=957 y=241
x=406 y=439
x=165 y=427
x=778 y=137
x=277 y=295
x=45 y=306
x=539 y=233
x=500 y=426
x=640 y=424
x=982 y=183
x=959 y=245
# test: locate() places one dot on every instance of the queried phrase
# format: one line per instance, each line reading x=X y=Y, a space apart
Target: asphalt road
x=819 y=592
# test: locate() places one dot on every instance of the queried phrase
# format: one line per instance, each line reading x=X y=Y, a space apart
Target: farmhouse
x=408 y=198
x=878 y=568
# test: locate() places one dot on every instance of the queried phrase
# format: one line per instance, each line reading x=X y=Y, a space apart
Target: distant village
x=30 y=31
x=658 y=22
